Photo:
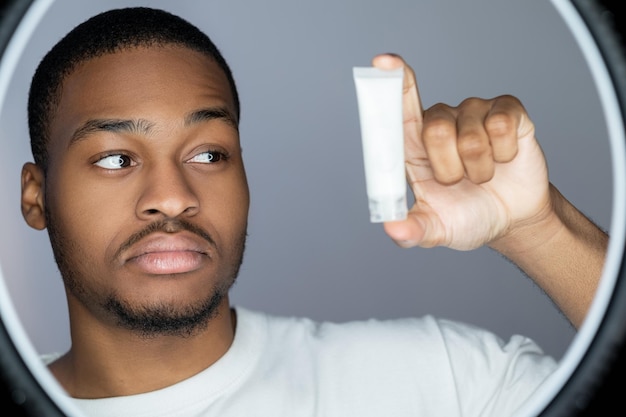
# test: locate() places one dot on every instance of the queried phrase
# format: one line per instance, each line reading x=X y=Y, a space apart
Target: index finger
x=412 y=110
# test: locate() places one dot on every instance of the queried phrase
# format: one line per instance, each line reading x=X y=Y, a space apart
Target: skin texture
x=477 y=171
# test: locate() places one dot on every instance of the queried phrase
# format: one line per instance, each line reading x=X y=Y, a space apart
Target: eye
x=116 y=161
x=208 y=157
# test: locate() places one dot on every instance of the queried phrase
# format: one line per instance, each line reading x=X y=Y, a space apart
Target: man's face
x=146 y=194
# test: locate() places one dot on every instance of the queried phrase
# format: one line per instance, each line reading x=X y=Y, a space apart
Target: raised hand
x=476 y=170
x=480 y=178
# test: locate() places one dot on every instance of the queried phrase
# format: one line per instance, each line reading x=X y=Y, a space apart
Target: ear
x=33 y=208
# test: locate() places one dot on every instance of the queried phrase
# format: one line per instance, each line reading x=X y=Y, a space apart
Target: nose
x=167 y=193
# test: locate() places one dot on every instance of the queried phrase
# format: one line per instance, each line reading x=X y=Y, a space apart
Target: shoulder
x=328 y=332
x=462 y=348
x=374 y=341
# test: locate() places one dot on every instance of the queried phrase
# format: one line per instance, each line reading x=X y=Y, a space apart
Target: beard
x=148 y=321
x=164 y=319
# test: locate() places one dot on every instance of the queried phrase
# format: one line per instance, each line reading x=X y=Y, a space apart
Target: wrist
x=562 y=251
x=531 y=235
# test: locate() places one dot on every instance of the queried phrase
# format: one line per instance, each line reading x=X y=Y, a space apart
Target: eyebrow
x=141 y=126
x=212 y=113
x=144 y=127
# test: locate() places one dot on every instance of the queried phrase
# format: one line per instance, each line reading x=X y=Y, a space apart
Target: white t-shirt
x=296 y=367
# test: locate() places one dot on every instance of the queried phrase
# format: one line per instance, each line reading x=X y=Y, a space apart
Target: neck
x=107 y=361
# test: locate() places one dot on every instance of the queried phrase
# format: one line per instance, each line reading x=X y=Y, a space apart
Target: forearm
x=563 y=252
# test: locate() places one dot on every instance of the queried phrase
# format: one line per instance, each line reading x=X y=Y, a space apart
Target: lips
x=162 y=253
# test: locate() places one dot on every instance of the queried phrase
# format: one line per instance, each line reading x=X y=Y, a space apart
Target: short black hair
x=107 y=33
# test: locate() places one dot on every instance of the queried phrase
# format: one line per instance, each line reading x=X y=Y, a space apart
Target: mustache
x=165 y=226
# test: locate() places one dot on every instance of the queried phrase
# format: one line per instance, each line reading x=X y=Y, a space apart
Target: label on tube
x=379 y=96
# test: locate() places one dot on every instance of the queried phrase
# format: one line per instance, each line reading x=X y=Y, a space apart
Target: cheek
x=226 y=203
x=239 y=196
x=86 y=214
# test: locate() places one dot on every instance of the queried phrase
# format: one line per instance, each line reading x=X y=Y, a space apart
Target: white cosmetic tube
x=379 y=96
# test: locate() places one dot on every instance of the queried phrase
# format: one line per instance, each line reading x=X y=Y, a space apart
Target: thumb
x=416 y=230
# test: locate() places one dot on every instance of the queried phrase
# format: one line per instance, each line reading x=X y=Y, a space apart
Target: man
x=139 y=180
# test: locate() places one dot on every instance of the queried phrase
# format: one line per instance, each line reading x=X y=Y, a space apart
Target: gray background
x=311 y=249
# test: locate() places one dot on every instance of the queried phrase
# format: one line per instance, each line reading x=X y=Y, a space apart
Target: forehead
x=143 y=82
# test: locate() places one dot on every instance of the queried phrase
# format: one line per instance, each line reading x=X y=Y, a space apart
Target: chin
x=172 y=317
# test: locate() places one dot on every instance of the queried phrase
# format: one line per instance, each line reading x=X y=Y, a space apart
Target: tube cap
x=387 y=209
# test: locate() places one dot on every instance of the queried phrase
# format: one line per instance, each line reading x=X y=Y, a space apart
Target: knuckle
x=500 y=124
x=510 y=100
x=438 y=131
x=472 y=102
x=472 y=145
x=438 y=108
